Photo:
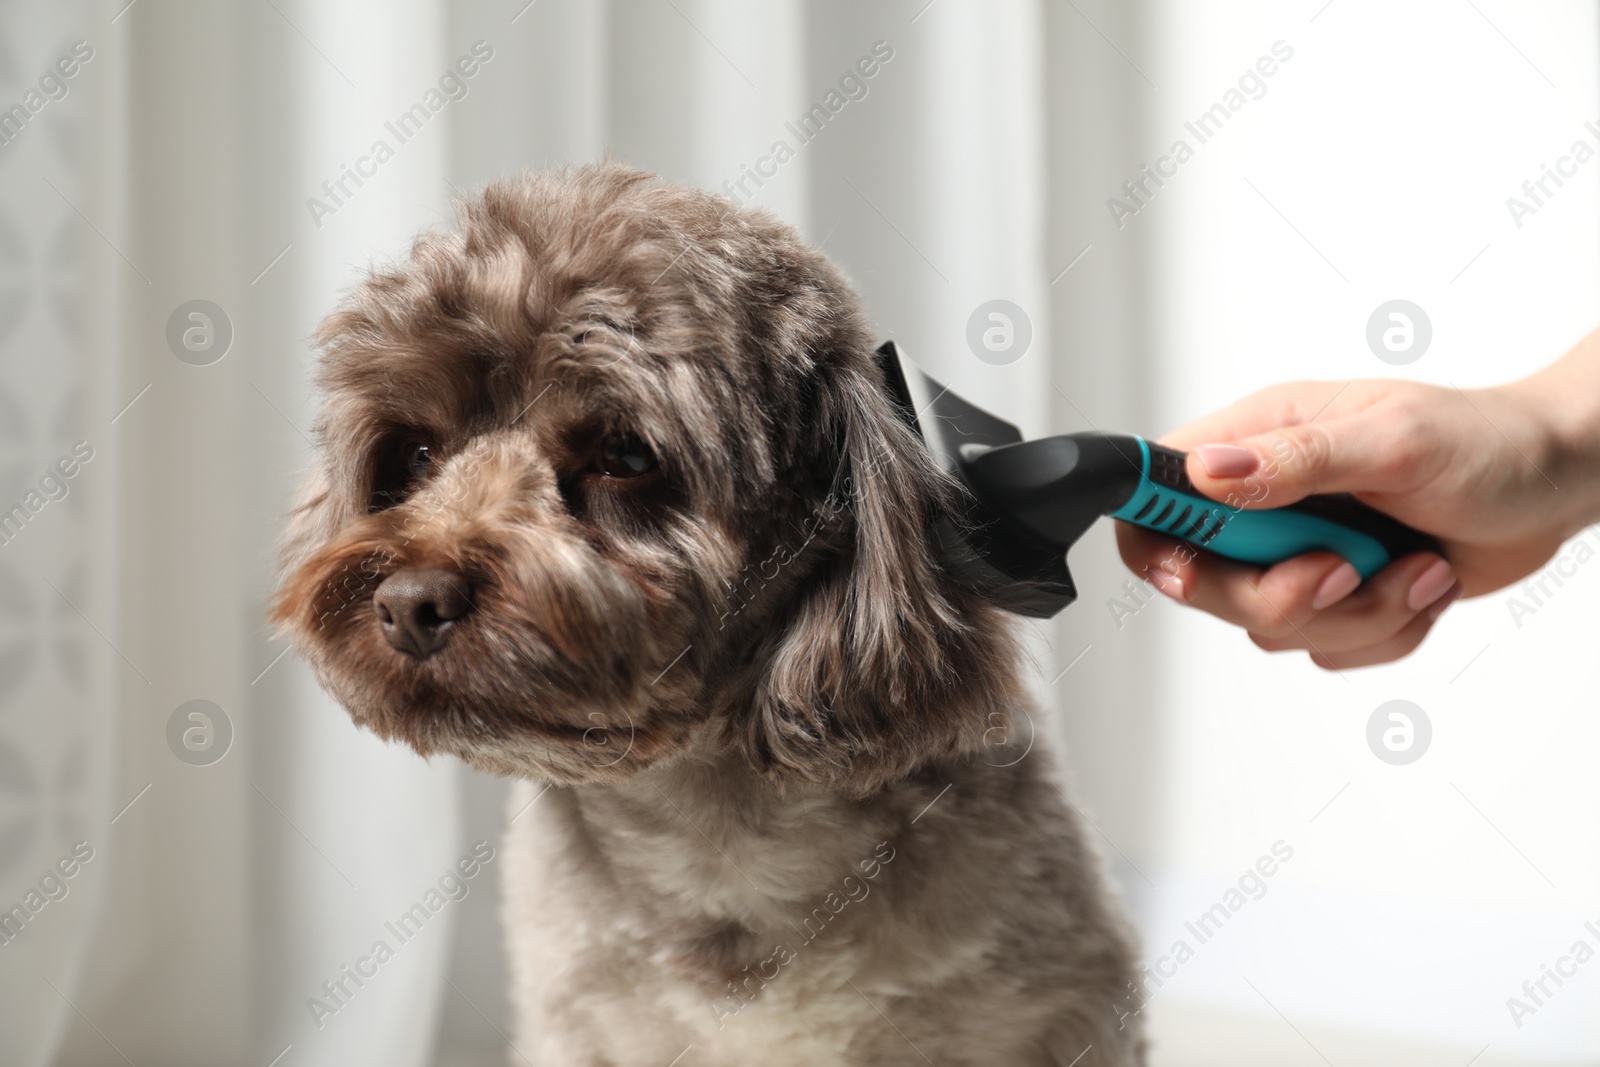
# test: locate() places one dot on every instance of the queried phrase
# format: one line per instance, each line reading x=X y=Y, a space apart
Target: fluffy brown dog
x=612 y=497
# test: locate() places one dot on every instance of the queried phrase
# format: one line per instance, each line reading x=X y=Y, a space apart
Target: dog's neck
x=706 y=838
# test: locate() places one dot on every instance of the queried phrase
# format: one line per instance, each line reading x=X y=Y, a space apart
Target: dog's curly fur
x=782 y=826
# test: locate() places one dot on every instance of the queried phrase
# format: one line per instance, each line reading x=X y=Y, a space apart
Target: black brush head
x=1020 y=569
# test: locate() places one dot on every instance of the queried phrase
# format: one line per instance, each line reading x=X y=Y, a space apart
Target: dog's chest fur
x=696 y=907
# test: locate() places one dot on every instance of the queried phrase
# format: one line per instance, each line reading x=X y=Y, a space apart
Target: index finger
x=1274 y=407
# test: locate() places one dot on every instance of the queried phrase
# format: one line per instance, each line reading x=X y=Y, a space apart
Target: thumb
x=1278 y=467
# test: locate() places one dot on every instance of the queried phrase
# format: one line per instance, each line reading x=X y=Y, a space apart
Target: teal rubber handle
x=1166 y=501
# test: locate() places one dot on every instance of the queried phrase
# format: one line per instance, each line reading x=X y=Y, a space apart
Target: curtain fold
x=351 y=833
x=1101 y=378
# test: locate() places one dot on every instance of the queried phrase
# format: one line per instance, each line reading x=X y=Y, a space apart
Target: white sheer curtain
x=230 y=891
x=221 y=894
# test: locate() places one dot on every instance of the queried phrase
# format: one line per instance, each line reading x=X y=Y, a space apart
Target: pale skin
x=1501 y=476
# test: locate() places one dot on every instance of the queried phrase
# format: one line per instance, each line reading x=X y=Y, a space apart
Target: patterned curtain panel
x=57 y=487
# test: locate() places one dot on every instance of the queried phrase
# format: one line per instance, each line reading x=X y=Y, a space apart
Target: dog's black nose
x=417 y=608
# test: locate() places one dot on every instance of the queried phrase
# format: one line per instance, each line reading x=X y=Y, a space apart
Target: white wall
x=1424 y=895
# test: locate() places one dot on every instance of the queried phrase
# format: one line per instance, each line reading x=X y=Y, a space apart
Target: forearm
x=1565 y=398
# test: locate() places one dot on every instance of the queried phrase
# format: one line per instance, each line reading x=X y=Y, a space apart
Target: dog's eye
x=419 y=461
x=624 y=455
x=401 y=463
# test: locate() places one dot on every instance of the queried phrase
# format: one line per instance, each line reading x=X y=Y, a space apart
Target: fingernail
x=1432 y=584
x=1445 y=601
x=1340 y=583
x=1227 y=461
x=1169 y=584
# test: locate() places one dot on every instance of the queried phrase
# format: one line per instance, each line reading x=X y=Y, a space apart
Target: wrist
x=1563 y=400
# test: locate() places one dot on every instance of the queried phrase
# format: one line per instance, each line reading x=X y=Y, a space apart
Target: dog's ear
x=883 y=660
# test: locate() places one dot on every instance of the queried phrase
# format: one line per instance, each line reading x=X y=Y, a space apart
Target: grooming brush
x=1028 y=502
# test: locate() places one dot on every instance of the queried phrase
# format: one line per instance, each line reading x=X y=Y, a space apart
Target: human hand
x=1479 y=469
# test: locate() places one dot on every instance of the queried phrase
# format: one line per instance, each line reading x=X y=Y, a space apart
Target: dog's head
x=613 y=468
